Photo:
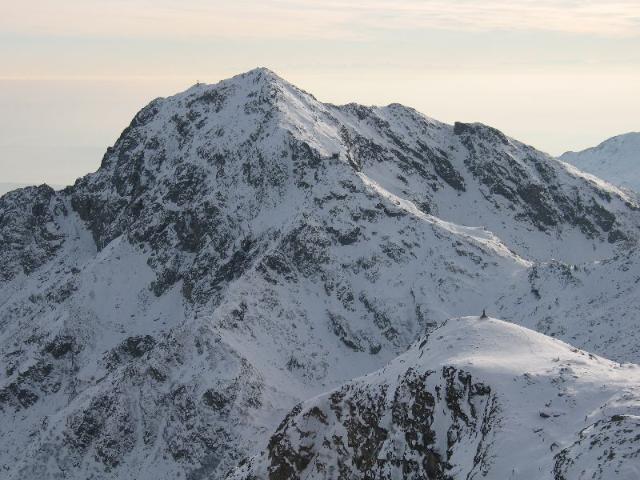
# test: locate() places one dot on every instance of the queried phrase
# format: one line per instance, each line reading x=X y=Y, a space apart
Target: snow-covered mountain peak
x=244 y=247
x=616 y=160
x=250 y=83
x=494 y=345
x=261 y=73
x=266 y=84
x=626 y=143
x=271 y=124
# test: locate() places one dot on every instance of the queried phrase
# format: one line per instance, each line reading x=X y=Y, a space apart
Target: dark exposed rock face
x=30 y=232
x=412 y=430
x=25 y=390
x=546 y=203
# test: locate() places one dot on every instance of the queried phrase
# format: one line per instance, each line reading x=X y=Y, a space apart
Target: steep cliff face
x=476 y=398
x=244 y=247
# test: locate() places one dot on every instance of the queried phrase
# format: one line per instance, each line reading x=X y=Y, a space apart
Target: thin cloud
x=326 y=19
x=583 y=17
x=607 y=18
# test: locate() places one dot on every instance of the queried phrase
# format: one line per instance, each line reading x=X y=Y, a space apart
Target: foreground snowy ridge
x=244 y=247
x=477 y=397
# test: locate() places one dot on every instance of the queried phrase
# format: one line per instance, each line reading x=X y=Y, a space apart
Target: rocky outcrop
x=411 y=430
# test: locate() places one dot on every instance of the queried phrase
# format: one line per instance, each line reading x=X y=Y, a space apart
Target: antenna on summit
x=484 y=314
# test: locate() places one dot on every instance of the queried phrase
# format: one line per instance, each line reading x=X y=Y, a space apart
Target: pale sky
x=560 y=75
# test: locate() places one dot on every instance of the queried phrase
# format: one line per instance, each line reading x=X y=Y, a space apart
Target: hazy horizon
x=559 y=75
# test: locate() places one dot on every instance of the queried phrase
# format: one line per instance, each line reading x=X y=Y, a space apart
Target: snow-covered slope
x=475 y=398
x=617 y=160
x=244 y=247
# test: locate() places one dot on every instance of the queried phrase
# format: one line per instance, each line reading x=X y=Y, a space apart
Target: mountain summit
x=617 y=160
x=244 y=247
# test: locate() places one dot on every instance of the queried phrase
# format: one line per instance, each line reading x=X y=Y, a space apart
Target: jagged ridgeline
x=244 y=247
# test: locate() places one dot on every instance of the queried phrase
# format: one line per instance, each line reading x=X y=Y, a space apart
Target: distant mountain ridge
x=6 y=187
x=244 y=247
x=616 y=160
